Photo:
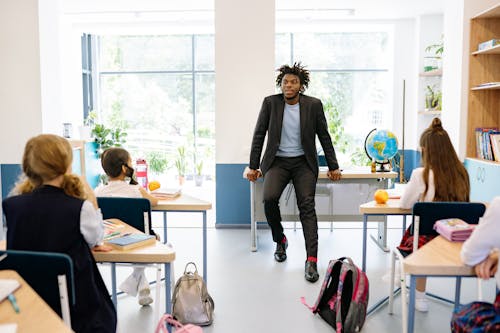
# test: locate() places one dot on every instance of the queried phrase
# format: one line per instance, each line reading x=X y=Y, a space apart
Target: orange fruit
x=381 y=196
x=154 y=185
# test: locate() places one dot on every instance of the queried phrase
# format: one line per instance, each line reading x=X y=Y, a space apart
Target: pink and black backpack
x=343 y=299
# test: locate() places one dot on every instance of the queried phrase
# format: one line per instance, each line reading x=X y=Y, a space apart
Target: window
x=350 y=74
x=161 y=89
x=87 y=60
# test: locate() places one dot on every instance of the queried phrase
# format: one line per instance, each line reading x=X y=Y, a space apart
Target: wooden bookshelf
x=484 y=67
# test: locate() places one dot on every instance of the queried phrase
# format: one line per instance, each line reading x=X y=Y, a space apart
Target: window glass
x=205 y=53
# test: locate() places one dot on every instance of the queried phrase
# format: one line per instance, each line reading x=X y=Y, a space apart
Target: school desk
x=157 y=253
x=373 y=209
x=187 y=204
x=35 y=315
x=437 y=258
x=361 y=183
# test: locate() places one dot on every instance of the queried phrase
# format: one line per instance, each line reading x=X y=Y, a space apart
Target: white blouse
x=415 y=189
x=91 y=225
x=118 y=188
x=485 y=238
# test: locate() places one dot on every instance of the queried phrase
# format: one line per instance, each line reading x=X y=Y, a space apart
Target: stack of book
x=166 y=193
x=488 y=143
x=131 y=241
x=455 y=230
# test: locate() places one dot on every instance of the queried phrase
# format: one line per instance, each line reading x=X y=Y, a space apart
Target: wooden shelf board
x=492 y=87
x=493 y=50
x=436 y=72
x=433 y=112
x=483 y=160
x=489 y=13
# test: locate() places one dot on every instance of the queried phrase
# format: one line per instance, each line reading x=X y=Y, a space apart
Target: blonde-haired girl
x=54 y=211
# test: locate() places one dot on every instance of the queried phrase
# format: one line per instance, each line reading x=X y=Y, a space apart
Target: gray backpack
x=343 y=299
x=191 y=303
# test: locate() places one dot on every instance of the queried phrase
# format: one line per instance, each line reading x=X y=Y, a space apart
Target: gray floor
x=252 y=293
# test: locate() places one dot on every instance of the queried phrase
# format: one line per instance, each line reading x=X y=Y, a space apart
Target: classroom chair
x=136 y=212
x=425 y=214
x=49 y=274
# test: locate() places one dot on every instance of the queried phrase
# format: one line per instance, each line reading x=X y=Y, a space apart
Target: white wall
x=244 y=72
x=20 y=90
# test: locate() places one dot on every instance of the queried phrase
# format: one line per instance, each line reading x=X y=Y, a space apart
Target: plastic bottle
x=141 y=172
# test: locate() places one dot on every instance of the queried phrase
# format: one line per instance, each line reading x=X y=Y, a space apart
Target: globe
x=381 y=146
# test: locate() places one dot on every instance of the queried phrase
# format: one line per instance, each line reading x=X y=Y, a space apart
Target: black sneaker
x=280 y=253
x=311 y=271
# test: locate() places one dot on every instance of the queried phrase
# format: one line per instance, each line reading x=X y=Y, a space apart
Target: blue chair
x=425 y=214
x=49 y=274
x=136 y=212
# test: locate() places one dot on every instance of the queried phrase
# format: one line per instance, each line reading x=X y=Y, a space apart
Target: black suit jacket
x=312 y=123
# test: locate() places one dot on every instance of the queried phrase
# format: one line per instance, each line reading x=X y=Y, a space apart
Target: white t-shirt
x=91 y=225
x=486 y=237
x=416 y=187
x=118 y=188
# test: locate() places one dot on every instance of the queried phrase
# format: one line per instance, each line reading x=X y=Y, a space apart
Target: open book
x=132 y=241
x=455 y=230
x=166 y=193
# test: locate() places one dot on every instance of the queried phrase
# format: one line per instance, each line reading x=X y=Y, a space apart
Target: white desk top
x=182 y=202
x=438 y=257
x=390 y=207
x=359 y=172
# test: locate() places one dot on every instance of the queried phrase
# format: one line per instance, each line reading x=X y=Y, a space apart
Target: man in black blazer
x=292 y=121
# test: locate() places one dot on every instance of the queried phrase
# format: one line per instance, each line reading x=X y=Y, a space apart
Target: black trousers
x=304 y=180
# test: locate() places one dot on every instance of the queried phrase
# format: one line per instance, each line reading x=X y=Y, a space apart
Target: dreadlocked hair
x=297 y=69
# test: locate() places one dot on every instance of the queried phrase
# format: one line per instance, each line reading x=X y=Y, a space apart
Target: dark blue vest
x=49 y=220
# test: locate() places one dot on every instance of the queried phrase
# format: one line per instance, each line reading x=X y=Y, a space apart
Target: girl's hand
x=488 y=267
x=102 y=248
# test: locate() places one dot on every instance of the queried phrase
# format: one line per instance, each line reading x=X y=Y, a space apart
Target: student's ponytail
x=73 y=186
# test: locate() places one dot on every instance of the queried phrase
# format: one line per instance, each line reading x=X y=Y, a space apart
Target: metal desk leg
x=381 y=240
x=411 y=308
x=205 y=275
x=458 y=285
x=164 y=227
x=168 y=302
x=365 y=227
x=113 y=285
x=253 y=223
x=404 y=225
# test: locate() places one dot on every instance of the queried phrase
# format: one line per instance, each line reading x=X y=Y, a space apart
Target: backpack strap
x=303 y=301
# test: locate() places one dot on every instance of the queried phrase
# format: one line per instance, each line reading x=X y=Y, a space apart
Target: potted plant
x=198 y=178
x=432 y=99
x=180 y=164
x=435 y=61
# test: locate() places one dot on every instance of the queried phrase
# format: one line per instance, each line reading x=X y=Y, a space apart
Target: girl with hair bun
x=441 y=178
x=52 y=210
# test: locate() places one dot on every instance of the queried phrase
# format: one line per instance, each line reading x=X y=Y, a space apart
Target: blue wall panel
x=232 y=195
x=10 y=174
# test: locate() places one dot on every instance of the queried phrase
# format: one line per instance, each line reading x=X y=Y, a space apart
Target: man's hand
x=488 y=267
x=334 y=174
x=253 y=175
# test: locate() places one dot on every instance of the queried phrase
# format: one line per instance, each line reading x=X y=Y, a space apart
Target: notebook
x=131 y=241
x=7 y=287
x=166 y=193
x=455 y=230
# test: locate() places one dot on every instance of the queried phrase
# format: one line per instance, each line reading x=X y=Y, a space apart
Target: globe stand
x=382 y=167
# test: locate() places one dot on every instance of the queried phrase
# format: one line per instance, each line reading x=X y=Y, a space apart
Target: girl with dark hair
x=442 y=178
x=116 y=162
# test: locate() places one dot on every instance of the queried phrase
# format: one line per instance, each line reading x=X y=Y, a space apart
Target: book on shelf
x=488 y=44
x=495 y=145
x=484 y=147
x=455 y=230
x=132 y=241
x=166 y=193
